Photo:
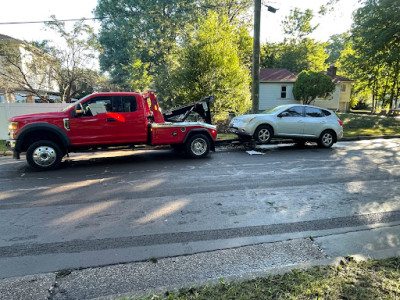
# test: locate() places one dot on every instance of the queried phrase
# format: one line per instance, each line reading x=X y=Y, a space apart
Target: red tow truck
x=105 y=121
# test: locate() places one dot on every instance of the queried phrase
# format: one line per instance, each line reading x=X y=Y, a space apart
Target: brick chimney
x=331 y=71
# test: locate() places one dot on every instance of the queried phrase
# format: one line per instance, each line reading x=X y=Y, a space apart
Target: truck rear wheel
x=198 y=146
x=44 y=155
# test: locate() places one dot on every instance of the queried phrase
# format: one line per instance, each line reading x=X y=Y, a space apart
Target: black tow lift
x=180 y=114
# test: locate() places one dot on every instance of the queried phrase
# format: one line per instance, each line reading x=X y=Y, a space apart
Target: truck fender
x=202 y=131
x=28 y=129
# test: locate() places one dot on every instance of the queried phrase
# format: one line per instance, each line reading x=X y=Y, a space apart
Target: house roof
x=277 y=75
x=284 y=75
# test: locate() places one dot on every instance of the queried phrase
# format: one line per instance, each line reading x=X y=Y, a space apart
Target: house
x=276 y=88
x=24 y=69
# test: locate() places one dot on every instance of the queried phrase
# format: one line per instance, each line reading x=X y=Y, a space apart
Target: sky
x=28 y=10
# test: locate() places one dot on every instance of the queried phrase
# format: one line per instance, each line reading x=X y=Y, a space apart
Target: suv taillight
x=340 y=122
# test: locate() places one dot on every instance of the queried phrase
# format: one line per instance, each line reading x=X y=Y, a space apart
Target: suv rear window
x=314 y=112
x=327 y=113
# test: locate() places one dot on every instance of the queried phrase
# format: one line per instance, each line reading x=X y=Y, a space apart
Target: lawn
x=3 y=147
x=369 y=125
x=372 y=279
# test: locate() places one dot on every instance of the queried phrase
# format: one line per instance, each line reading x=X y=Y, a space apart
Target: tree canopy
x=372 y=56
x=297 y=52
x=210 y=64
x=309 y=85
x=143 y=41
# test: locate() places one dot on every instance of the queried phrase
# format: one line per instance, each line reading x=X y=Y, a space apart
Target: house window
x=343 y=88
x=283 y=92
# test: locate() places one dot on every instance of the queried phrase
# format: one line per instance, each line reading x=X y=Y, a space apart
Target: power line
x=48 y=21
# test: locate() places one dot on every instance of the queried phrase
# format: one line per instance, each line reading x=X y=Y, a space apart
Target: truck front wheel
x=198 y=146
x=44 y=155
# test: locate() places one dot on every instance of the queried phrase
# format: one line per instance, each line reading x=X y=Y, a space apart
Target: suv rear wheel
x=44 y=155
x=326 y=139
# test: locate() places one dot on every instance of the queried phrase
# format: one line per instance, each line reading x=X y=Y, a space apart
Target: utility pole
x=255 y=73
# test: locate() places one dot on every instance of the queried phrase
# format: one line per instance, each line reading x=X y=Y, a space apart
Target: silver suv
x=298 y=122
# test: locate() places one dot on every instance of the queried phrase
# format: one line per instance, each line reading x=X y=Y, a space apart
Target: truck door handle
x=111 y=120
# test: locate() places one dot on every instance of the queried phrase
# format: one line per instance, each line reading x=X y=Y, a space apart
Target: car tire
x=263 y=134
x=44 y=155
x=326 y=139
x=198 y=146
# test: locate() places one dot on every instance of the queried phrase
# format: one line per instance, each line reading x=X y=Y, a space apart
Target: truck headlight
x=12 y=128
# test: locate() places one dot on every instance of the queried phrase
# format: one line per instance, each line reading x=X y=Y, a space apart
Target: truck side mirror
x=79 y=110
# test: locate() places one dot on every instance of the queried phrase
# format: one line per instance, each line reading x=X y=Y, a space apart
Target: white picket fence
x=8 y=110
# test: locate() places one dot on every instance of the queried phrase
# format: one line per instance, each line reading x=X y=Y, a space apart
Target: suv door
x=314 y=121
x=291 y=122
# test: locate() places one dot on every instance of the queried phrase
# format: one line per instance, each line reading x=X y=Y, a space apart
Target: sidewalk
x=166 y=274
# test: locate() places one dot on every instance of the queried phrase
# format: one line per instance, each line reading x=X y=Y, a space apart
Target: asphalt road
x=107 y=208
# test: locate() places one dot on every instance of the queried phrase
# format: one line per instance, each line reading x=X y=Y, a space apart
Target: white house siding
x=330 y=103
x=270 y=95
x=8 y=110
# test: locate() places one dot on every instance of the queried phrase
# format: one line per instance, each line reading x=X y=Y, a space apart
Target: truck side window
x=124 y=104
x=97 y=105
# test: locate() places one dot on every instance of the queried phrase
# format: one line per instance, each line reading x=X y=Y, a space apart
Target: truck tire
x=44 y=155
x=198 y=146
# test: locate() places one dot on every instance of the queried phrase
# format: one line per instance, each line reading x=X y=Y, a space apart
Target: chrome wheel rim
x=263 y=135
x=199 y=146
x=44 y=156
x=327 y=139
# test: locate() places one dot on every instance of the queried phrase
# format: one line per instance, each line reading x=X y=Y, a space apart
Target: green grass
x=369 y=125
x=372 y=279
x=226 y=136
x=3 y=147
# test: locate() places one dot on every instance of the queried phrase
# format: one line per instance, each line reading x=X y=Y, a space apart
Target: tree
x=26 y=68
x=298 y=52
x=141 y=32
x=306 y=54
x=336 y=45
x=142 y=39
x=309 y=85
x=298 y=24
x=38 y=67
x=76 y=60
x=210 y=64
x=376 y=44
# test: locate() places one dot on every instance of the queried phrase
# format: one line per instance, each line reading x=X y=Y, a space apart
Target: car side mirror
x=283 y=114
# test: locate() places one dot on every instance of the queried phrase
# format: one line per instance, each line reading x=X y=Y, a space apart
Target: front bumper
x=238 y=131
x=11 y=145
